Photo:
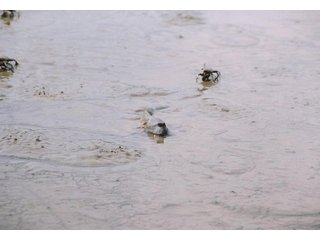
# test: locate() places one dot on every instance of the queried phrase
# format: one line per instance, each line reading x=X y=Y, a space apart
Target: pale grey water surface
x=242 y=154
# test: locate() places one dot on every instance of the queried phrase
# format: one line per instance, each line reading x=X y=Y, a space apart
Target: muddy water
x=242 y=154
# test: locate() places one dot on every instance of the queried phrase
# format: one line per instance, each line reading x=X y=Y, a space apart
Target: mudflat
x=243 y=153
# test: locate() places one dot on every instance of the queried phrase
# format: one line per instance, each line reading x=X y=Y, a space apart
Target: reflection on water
x=205 y=85
x=241 y=154
x=156 y=138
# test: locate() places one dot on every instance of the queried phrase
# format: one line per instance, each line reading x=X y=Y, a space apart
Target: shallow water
x=242 y=154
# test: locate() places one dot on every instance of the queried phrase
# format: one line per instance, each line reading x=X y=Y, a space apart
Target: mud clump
x=108 y=154
x=209 y=74
x=61 y=147
x=21 y=140
x=8 y=64
x=9 y=15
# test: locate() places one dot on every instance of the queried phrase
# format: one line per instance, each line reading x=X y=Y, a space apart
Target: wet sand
x=241 y=154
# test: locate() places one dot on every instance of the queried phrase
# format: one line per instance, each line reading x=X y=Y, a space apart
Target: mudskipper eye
x=161 y=124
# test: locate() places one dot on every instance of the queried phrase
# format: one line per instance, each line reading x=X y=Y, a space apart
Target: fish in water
x=154 y=125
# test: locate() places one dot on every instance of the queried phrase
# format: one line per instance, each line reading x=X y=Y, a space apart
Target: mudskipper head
x=161 y=129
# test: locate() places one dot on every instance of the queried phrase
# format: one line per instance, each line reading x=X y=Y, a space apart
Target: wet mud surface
x=242 y=153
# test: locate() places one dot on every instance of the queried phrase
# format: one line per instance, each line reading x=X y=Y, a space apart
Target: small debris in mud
x=209 y=74
x=26 y=139
x=224 y=110
x=107 y=154
x=43 y=92
x=219 y=107
x=186 y=18
x=8 y=64
x=114 y=150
